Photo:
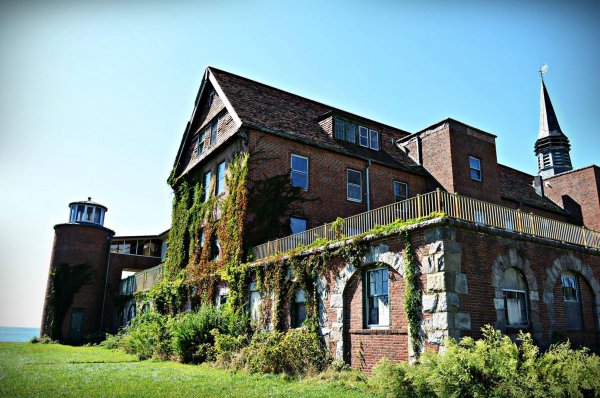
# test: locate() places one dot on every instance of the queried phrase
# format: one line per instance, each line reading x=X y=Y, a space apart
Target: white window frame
x=348 y=184
x=365 y=130
x=524 y=293
x=374 y=134
x=396 y=182
x=213 y=127
x=471 y=168
x=366 y=285
x=298 y=171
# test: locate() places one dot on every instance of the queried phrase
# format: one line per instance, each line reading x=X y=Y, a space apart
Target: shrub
x=42 y=340
x=228 y=346
x=112 y=341
x=191 y=337
x=147 y=336
x=493 y=366
x=297 y=352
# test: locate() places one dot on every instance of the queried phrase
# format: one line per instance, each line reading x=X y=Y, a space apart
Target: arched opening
x=574 y=305
x=374 y=321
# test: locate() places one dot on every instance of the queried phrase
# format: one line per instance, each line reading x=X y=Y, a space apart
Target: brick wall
x=578 y=192
x=82 y=244
x=327 y=177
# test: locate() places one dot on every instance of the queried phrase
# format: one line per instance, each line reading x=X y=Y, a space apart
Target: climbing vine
x=65 y=281
x=412 y=296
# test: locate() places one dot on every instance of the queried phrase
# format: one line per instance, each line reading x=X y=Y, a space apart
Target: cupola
x=87 y=212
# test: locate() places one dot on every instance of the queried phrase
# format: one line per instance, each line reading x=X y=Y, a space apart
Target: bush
x=42 y=340
x=297 y=352
x=191 y=337
x=228 y=346
x=112 y=341
x=147 y=336
x=494 y=366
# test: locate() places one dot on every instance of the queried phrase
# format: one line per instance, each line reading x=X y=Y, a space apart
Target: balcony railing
x=142 y=281
x=454 y=206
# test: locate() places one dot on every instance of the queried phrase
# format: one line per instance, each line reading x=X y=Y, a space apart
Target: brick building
x=511 y=249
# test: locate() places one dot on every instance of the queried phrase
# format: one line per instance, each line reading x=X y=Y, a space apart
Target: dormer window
x=348 y=131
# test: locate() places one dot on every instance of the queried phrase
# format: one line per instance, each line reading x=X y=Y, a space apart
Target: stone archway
x=569 y=262
x=501 y=264
x=377 y=255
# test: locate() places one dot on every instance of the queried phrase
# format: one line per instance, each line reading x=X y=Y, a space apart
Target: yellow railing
x=454 y=206
x=141 y=281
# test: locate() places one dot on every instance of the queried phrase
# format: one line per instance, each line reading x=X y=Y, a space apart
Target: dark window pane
x=339 y=129
x=350 y=132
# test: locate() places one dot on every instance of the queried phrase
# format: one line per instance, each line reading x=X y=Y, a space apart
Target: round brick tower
x=77 y=279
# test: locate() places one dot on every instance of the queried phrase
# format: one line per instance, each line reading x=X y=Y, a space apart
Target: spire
x=552 y=146
x=548 y=122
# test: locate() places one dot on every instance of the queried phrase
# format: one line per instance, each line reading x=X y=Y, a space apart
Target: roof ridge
x=212 y=68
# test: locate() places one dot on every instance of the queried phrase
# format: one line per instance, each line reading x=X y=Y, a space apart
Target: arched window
x=514 y=288
x=571 y=299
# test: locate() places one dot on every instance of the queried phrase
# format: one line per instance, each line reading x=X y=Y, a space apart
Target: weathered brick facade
x=462 y=266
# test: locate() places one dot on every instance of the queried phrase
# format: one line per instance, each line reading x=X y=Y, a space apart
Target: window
x=254 y=301
x=200 y=146
x=569 y=287
x=222 y=296
x=363 y=139
x=400 y=191
x=354 y=185
x=378 y=312
x=213 y=131
x=514 y=289
x=374 y=139
x=297 y=225
x=215 y=247
x=572 y=307
x=475 y=166
x=348 y=131
x=207 y=185
x=340 y=133
x=299 y=173
x=211 y=98
x=298 y=310
x=221 y=178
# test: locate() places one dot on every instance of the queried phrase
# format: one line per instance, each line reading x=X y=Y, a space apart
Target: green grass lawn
x=52 y=370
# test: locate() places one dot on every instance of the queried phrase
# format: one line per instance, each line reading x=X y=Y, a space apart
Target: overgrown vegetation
x=65 y=281
x=412 y=296
x=493 y=366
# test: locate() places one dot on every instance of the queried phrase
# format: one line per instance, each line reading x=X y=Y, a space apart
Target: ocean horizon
x=9 y=334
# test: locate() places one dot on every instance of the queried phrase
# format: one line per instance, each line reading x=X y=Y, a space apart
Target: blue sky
x=95 y=95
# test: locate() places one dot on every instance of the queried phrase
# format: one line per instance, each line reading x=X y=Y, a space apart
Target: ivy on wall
x=65 y=282
x=412 y=295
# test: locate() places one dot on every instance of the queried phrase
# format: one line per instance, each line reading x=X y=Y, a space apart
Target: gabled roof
x=548 y=121
x=517 y=186
x=258 y=106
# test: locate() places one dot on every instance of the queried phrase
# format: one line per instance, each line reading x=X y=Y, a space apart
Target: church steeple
x=552 y=146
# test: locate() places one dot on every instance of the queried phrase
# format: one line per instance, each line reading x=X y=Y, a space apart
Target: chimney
x=538 y=185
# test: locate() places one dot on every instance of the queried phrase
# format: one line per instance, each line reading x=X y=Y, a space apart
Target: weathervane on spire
x=543 y=70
